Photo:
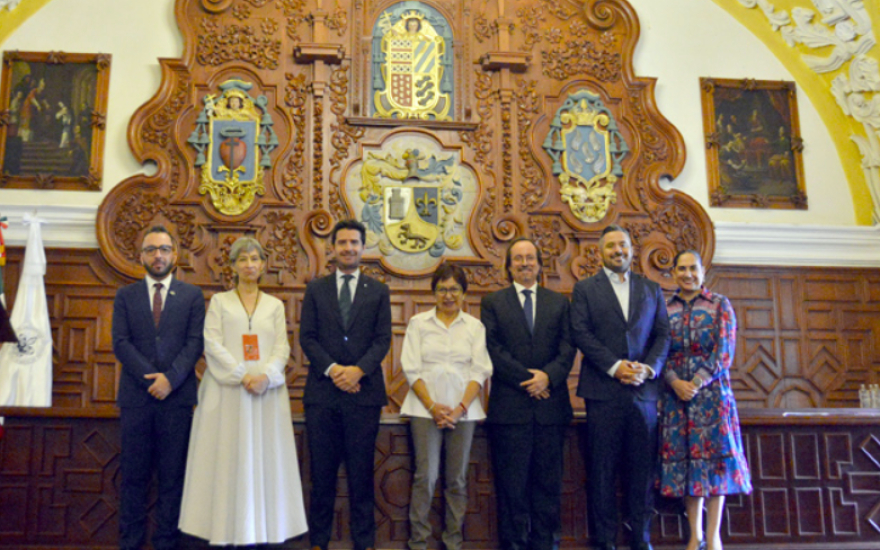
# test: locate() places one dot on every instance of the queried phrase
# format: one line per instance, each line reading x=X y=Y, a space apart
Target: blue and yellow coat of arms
x=233 y=138
x=587 y=149
x=411 y=204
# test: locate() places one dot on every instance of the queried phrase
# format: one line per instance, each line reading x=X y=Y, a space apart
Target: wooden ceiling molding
x=506 y=86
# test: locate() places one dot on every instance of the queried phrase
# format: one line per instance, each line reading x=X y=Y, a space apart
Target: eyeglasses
x=451 y=291
x=164 y=249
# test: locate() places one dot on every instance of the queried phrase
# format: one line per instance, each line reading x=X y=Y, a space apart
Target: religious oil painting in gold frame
x=753 y=144
x=53 y=120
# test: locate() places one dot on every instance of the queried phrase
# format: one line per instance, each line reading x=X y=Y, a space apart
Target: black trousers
x=527 y=462
x=621 y=443
x=337 y=433
x=155 y=438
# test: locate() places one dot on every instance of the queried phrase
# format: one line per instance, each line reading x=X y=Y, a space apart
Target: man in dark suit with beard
x=158 y=327
x=619 y=323
x=345 y=332
x=527 y=333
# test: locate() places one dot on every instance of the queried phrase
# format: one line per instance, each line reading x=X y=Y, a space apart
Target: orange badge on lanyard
x=251 y=344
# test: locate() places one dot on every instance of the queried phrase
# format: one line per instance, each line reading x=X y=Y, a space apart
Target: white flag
x=26 y=367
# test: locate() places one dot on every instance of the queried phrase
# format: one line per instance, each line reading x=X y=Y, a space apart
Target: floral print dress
x=701 y=451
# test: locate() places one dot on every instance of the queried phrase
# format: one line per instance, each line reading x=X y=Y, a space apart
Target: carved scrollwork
x=185 y=221
x=657 y=148
x=528 y=104
x=486 y=276
x=318 y=154
x=241 y=11
x=547 y=232
x=600 y=14
x=295 y=97
x=480 y=141
x=133 y=215
x=236 y=43
x=559 y=9
x=337 y=20
x=344 y=136
x=157 y=127
x=530 y=18
x=580 y=56
x=483 y=30
x=216 y=6
x=507 y=154
x=587 y=262
x=282 y=238
x=295 y=13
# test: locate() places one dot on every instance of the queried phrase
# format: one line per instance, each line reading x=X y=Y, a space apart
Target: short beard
x=622 y=269
x=158 y=275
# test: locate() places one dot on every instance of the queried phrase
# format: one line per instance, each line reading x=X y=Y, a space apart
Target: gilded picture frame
x=753 y=144
x=53 y=110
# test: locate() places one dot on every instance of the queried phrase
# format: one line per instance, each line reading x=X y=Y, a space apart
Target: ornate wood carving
x=815 y=486
x=314 y=68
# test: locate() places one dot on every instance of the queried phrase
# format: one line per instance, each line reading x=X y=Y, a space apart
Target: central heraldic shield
x=412 y=70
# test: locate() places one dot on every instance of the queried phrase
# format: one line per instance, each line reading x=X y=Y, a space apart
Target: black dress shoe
x=641 y=546
x=606 y=546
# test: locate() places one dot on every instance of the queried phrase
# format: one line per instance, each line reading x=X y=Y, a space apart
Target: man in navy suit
x=527 y=333
x=158 y=326
x=619 y=323
x=345 y=332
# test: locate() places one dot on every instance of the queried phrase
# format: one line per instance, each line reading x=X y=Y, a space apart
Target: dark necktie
x=157 y=303
x=529 y=310
x=345 y=298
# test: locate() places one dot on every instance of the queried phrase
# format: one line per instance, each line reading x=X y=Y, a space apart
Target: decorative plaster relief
x=846 y=26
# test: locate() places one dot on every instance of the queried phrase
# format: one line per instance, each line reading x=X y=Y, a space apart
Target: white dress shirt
x=522 y=297
x=151 y=290
x=352 y=284
x=446 y=359
x=621 y=290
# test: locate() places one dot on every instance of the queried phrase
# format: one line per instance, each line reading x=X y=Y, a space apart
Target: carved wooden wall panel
x=815 y=484
x=807 y=337
x=511 y=74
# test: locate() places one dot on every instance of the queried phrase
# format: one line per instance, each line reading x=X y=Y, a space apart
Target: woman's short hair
x=448 y=271
x=242 y=245
x=245 y=244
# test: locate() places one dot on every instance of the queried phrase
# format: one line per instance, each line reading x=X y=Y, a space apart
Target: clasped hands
x=684 y=390
x=445 y=416
x=538 y=386
x=632 y=373
x=255 y=384
x=161 y=387
x=347 y=378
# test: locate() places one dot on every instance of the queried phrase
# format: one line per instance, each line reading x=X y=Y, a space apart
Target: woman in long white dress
x=242 y=482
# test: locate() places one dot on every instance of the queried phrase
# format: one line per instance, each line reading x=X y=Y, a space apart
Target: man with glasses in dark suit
x=158 y=326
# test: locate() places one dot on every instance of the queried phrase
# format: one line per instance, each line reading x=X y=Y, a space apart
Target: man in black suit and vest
x=619 y=323
x=158 y=326
x=345 y=332
x=527 y=333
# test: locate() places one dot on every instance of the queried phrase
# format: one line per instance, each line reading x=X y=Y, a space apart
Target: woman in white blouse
x=242 y=483
x=446 y=363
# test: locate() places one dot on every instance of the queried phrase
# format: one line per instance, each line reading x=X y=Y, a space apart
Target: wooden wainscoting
x=815 y=477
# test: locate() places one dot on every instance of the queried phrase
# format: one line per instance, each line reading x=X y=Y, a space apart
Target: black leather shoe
x=641 y=546
x=606 y=546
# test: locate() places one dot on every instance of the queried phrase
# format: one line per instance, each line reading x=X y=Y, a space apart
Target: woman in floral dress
x=701 y=451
